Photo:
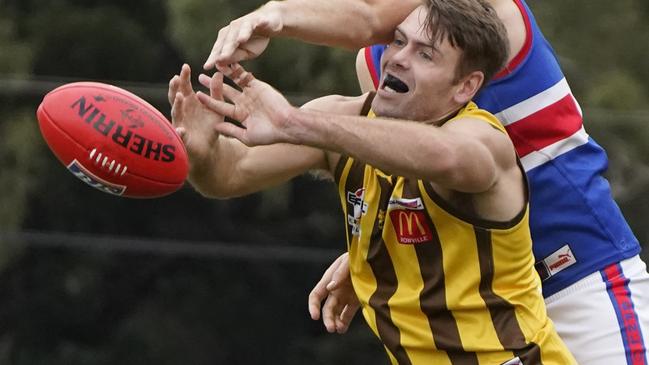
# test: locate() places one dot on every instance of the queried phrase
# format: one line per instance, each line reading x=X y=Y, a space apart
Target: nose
x=399 y=57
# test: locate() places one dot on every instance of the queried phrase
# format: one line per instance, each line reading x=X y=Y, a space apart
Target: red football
x=113 y=140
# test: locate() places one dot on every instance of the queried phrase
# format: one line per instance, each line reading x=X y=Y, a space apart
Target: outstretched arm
x=223 y=167
x=465 y=155
x=345 y=23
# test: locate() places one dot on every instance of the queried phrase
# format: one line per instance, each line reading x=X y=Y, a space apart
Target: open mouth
x=392 y=83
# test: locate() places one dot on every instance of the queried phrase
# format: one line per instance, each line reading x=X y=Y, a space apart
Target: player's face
x=417 y=76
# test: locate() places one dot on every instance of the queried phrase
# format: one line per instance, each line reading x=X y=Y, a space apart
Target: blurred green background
x=87 y=278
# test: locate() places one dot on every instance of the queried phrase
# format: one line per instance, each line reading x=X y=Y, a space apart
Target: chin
x=385 y=110
x=393 y=112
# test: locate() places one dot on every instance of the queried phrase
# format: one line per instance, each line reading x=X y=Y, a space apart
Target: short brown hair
x=474 y=27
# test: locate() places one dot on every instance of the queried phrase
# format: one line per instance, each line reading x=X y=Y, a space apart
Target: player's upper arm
x=510 y=14
x=262 y=167
x=363 y=73
x=478 y=155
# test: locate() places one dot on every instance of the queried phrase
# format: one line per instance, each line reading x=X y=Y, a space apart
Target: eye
x=398 y=42
x=426 y=55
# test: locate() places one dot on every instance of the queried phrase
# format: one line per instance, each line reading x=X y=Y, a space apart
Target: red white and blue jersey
x=577 y=228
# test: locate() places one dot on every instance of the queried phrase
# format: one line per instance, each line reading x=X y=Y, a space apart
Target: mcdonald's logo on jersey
x=410 y=226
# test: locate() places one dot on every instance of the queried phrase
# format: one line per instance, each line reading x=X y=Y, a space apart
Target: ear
x=468 y=86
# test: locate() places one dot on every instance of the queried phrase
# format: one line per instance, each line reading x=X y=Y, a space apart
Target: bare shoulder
x=511 y=16
x=495 y=140
x=338 y=104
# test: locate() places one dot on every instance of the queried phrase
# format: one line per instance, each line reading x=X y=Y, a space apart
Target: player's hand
x=194 y=123
x=261 y=109
x=341 y=303
x=245 y=38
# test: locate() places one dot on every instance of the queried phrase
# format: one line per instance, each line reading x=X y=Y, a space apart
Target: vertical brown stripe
x=386 y=283
x=367 y=105
x=502 y=312
x=433 y=295
x=340 y=166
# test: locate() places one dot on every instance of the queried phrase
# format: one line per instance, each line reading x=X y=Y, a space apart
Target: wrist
x=309 y=127
x=294 y=126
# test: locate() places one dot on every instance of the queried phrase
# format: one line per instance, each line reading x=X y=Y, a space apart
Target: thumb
x=181 y=132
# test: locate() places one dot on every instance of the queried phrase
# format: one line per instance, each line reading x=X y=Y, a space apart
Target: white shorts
x=604 y=317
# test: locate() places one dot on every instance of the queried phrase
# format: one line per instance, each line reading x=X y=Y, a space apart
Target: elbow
x=381 y=17
x=371 y=27
x=210 y=192
x=373 y=33
x=211 y=188
x=381 y=29
x=376 y=30
x=222 y=190
x=360 y=37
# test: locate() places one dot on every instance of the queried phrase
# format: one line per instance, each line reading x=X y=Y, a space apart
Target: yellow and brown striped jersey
x=438 y=286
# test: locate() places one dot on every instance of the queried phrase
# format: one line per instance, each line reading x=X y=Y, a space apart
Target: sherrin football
x=113 y=140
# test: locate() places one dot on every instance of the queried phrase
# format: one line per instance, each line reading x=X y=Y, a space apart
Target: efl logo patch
x=555 y=262
x=409 y=221
x=359 y=208
x=89 y=178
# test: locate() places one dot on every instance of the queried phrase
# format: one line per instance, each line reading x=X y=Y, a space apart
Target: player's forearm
x=402 y=148
x=222 y=174
x=354 y=136
x=348 y=23
x=234 y=170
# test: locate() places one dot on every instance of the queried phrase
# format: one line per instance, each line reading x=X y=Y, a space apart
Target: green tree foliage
x=20 y=157
x=617 y=89
x=601 y=44
x=193 y=25
x=99 y=42
x=15 y=55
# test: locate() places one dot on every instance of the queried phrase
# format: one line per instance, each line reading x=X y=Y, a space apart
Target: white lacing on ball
x=107 y=163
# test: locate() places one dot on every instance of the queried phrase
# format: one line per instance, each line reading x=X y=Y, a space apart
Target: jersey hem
x=563 y=284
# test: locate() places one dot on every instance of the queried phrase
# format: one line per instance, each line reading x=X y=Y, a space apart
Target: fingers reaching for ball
x=176 y=114
x=214 y=84
x=180 y=84
x=173 y=89
x=238 y=74
x=221 y=107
